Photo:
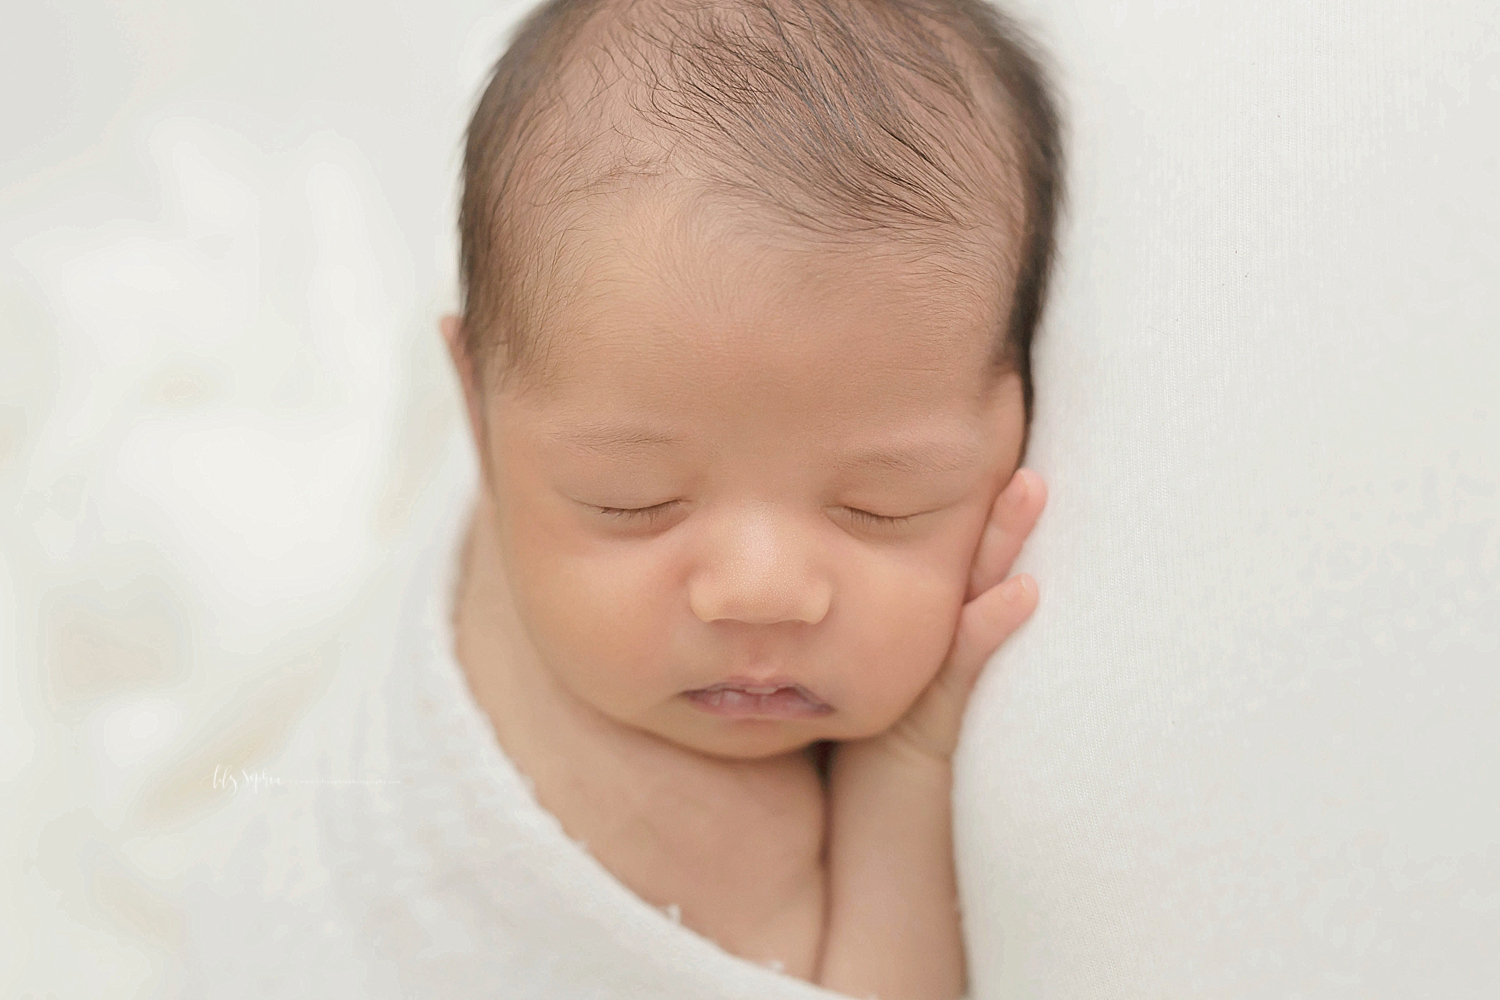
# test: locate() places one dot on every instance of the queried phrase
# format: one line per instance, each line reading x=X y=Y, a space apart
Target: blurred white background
x=228 y=234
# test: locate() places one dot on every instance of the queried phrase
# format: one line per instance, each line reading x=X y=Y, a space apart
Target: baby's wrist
x=891 y=754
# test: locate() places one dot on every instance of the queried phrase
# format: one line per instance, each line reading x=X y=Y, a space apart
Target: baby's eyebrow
x=605 y=437
x=930 y=455
x=936 y=455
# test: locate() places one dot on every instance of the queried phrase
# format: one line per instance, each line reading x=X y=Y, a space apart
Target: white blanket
x=402 y=856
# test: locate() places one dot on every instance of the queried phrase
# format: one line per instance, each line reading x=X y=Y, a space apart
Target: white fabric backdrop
x=226 y=234
x=1246 y=746
x=1249 y=745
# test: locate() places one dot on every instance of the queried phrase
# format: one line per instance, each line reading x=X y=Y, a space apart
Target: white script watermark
x=228 y=779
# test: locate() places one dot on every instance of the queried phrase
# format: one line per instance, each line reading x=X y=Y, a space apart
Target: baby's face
x=740 y=395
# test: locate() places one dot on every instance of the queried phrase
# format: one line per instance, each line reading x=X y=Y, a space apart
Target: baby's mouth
x=767 y=701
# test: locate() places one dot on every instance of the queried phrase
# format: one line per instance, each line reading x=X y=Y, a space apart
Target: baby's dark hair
x=856 y=122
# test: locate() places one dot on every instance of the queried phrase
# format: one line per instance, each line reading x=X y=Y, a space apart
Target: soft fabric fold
x=393 y=851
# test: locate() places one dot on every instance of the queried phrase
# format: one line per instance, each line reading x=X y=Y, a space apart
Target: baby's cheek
x=591 y=620
x=901 y=639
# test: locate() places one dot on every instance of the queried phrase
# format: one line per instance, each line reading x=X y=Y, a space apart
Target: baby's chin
x=748 y=746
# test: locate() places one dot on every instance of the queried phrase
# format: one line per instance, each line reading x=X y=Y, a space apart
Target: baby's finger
x=933 y=722
x=983 y=627
x=1012 y=517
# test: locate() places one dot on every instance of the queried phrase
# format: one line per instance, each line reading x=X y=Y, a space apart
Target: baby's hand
x=893 y=926
x=992 y=612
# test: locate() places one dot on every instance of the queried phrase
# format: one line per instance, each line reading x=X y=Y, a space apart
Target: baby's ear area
x=452 y=329
x=1007 y=418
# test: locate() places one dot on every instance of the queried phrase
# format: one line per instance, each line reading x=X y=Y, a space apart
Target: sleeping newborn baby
x=749 y=292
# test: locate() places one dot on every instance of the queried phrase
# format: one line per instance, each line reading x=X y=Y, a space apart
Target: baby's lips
x=786 y=701
x=762 y=687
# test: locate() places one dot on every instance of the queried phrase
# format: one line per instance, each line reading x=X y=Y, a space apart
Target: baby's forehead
x=647 y=299
x=673 y=243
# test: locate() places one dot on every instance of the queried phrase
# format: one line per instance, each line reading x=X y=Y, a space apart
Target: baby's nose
x=759 y=570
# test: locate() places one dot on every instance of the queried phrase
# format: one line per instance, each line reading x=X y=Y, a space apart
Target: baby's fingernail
x=1019 y=587
x=1019 y=487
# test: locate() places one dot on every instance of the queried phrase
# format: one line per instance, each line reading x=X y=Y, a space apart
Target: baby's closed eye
x=655 y=511
x=880 y=519
x=632 y=513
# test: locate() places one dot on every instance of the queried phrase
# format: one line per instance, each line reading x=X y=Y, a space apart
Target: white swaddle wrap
x=403 y=856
